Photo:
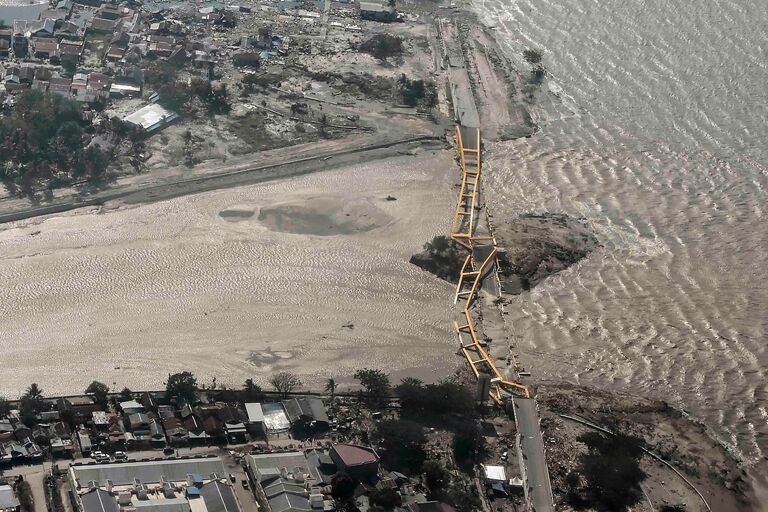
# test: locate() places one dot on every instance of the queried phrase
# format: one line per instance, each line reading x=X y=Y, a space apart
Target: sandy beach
x=309 y=274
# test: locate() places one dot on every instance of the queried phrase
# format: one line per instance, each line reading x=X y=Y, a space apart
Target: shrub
x=532 y=56
x=402 y=444
x=611 y=468
x=383 y=46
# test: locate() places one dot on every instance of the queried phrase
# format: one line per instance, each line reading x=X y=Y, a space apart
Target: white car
x=122 y=456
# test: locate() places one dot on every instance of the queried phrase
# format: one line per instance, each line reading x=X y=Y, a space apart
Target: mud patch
x=269 y=357
x=236 y=214
x=324 y=216
x=538 y=246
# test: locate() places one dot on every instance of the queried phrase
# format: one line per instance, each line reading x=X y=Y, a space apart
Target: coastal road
x=248 y=173
x=33 y=474
x=539 y=486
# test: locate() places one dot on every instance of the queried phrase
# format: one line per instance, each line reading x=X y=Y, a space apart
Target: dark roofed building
x=102 y=25
x=219 y=497
x=377 y=11
x=306 y=412
x=42 y=28
x=79 y=408
x=285 y=494
x=360 y=462
x=98 y=500
x=431 y=506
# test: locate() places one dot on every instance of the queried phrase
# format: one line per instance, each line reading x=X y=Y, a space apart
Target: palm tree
x=251 y=390
x=330 y=387
x=34 y=392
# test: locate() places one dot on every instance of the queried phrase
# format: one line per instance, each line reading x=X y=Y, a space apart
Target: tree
x=401 y=444
x=330 y=387
x=5 y=407
x=611 y=468
x=285 y=382
x=251 y=390
x=435 y=475
x=42 y=147
x=440 y=257
x=99 y=390
x=447 y=397
x=24 y=495
x=126 y=394
x=532 y=56
x=69 y=65
x=33 y=392
x=383 y=46
x=182 y=385
x=468 y=444
x=343 y=487
x=375 y=382
x=387 y=498
x=411 y=90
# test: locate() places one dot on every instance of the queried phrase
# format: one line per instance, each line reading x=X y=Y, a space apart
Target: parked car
x=121 y=456
x=245 y=483
x=232 y=478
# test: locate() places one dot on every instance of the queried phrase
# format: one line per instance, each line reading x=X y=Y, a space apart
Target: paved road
x=154 y=187
x=33 y=474
x=539 y=486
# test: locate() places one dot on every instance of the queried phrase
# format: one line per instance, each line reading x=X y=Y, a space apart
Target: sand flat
x=128 y=294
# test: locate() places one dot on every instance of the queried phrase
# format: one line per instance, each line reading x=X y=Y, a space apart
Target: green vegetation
x=532 y=56
x=181 y=385
x=330 y=387
x=416 y=92
x=444 y=398
x=24 y=495
x=126 y=394
x=251 y=391
x=181 y=97
x=53 y=495
x=343 y=487
x=383 y=46
x=436 y=476
x=5 y=407
x=468 y=444
x=441 y=257
x=375 y=383
x=285 y=382
x=42 y=147
x=401 y=445
x=386 y=498
x=611 y=473
x=30 y=404
x=99 y=390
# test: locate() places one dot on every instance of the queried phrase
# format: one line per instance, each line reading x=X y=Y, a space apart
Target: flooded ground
x=652 y=119
x=128 y=294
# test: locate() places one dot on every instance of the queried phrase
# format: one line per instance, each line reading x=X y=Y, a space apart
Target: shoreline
x=195 y=185
x=747 y=493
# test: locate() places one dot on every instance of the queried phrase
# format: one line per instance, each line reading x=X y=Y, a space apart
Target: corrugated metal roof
x=255 y=412
x=99 y=500
x=219 y=497
x=162 y=505
x=7 y=498
x=275 y=418
x=147 y=471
